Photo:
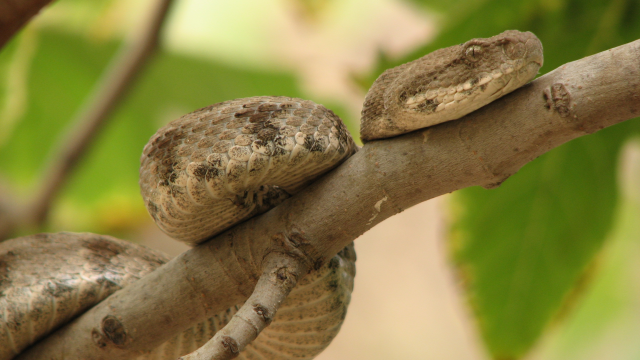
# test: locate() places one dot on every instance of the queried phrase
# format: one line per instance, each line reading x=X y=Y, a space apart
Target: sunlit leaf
x=521 y=248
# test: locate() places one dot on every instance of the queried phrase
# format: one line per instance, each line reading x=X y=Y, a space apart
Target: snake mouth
x=489 y=86
x=440 y=99
x=458 y=100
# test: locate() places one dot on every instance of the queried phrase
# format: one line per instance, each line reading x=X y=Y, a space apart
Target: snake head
x=449 y=83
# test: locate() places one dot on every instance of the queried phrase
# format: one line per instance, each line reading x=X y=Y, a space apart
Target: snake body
x=222 y=164
x=83 y=269
x=232 y=160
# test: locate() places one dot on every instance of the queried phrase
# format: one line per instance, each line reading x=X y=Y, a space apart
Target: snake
x=220 y=165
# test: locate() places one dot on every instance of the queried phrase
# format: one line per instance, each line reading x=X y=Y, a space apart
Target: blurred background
x=544 y=267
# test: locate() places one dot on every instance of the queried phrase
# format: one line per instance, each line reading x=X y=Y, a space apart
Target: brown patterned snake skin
x=222 y=164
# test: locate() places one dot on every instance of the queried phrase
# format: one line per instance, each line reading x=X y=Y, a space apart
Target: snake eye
x=473 y=52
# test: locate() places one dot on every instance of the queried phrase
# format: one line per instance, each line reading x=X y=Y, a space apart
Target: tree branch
x=385 y=177
x=116 y=80
x=279 y=278
x=14 y=14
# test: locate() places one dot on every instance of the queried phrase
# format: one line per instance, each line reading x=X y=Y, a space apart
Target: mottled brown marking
x=240 y=153
x=315 y=120
x=230 y=109
x=185 y=150
x=236 y=123
x=181 y=164
x=307 y=129
x=273 y=123
x=212 y=173
x=5 y=269
x=206 y=142
x=228 y=135
x=192 y=139
x=259 y=117
x=252 y=104
x=171 y=176
x=103 y=248
x=287 y=105
x=278 y=150
x=288 y=130
x=323 y=129
x=219 y=119
x=294 y=121
x=308 y=141
x=252 y=128
x=317 y=147
x=263 y=311
x=558 y=98
x=244 y=113
x=302 y=112
x=200 y=171
x=198 y=128
x=279 y=114
x=114 y=330
x=206 y=108
x=170 y=132
x=282 y=274
x=308 y=104
x=152 y=208
x=163 y=143
x=268 y=107
x=98 y=338
x=267 y=134
x=230 y=344
x=198 y=155
x=243 y=140
x=428 y=106
x=214 y=130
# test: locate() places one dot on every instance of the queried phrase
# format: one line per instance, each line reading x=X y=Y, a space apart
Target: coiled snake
x=222 y=164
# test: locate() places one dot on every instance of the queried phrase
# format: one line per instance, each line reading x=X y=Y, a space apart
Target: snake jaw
x=449 y=83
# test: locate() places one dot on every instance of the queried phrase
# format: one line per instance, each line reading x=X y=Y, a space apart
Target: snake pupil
x=474 y=52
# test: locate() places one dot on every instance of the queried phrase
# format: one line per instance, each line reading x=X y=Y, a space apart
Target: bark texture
x=14 y=14
x=384 y=178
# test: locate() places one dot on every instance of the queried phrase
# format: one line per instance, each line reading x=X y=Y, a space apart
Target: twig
x=383 y=178
x=279 y=278
x=110 y=90
x=14 y=14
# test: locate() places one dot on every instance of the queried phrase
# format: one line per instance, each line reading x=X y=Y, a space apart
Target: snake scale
x=222 y=164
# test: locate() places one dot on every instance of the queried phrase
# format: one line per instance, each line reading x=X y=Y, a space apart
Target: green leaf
x=605 y=324
x=522 y=247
